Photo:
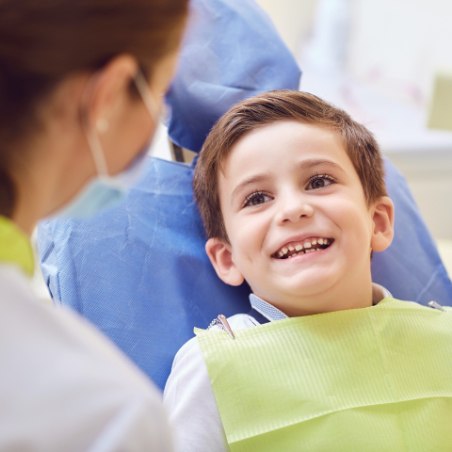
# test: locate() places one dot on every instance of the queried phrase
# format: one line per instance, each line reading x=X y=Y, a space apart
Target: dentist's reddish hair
x=45 y=41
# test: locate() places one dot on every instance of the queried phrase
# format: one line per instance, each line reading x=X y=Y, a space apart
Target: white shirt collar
x=266 y=309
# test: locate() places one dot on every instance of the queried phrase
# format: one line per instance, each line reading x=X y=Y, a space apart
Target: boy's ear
x=220 y=256
x=383 y=224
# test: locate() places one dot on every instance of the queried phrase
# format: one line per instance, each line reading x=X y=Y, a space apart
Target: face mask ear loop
x=94 y=144
x=145 y=94
x=97 y=153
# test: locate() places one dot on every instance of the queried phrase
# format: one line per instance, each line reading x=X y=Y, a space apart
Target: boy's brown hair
x=265 y=109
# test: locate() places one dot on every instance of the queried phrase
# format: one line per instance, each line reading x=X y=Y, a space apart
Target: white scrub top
x=63 y=386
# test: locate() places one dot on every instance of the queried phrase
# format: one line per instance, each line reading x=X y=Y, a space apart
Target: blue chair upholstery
x=231 y=51
x=139 y=271
x=411 y=268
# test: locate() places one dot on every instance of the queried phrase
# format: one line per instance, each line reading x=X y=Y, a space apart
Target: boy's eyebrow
x=305 y=164
x=251 y=180
x=311 y=163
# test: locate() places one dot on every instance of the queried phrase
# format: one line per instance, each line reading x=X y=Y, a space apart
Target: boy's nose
x=294 y=210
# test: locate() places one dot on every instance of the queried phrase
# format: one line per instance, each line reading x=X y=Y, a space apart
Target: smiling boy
x=291 y=191
x=299 y=226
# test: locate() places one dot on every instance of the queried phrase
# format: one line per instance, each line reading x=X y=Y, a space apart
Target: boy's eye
x=320 y=181
x=256 y=198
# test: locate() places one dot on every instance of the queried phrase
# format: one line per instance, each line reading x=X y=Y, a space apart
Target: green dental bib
x=372 y=379
x=15 y=247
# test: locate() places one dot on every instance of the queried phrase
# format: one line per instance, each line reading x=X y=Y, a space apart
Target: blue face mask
x=107 y=191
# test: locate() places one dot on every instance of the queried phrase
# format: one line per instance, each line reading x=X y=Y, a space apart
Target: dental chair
x=139 y=271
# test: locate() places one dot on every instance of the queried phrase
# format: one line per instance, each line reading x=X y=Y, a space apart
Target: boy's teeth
x=309 y=246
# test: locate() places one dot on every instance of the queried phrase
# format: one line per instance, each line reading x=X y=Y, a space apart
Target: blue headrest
x=139 y=272
x=411 y=268
x=231 y=52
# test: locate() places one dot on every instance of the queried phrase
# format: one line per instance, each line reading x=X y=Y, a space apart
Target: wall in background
x=292 y=18
x=404 y=41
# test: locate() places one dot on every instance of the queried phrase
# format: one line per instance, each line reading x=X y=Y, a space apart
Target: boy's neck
x=272 y=312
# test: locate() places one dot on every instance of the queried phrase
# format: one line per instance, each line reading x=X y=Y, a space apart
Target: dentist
x=80 y=90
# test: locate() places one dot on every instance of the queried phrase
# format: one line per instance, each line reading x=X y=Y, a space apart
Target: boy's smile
x=299 y=227
x=302 y=246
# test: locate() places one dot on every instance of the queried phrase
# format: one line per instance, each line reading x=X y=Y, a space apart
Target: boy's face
x=300 y=230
